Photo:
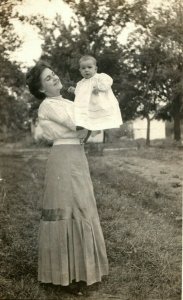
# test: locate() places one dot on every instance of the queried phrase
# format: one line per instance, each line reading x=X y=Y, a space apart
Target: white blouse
x=56 y=119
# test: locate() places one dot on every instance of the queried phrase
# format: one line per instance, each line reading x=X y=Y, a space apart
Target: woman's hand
x=71 y=90
x=81 y=134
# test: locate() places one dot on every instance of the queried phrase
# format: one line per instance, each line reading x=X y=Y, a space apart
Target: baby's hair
x=88 y=57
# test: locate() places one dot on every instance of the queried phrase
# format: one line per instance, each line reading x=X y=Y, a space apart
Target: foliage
x=13 y=107
x=152 y=86
x=147 y=72
x=141 y=69
x=93 y=30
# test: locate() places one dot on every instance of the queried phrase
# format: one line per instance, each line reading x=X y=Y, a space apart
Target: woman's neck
x=55 y=97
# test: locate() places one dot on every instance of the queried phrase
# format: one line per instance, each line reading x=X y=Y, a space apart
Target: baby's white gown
x=96 y=111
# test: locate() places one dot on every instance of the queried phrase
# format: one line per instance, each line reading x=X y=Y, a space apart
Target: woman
x=71 y=243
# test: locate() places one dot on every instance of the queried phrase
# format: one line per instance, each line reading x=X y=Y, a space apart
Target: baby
x=96 y=107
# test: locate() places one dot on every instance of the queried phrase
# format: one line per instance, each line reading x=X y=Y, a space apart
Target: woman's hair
x=88 y=57
x=33 y=79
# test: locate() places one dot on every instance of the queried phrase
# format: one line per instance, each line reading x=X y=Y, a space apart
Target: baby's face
x=88 y=68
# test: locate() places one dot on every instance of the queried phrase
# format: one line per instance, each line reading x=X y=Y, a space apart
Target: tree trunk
x=104 y=137
x=177 y=130
x=177 y=107
x=148 y=131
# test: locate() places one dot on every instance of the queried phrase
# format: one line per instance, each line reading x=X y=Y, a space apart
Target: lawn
x=138 y=194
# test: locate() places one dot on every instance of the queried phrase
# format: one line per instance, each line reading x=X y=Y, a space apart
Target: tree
x=153 y=78
x=144 y=87
x=146 y=73
x=93 y=30
x=13 y=106
x=172 y=31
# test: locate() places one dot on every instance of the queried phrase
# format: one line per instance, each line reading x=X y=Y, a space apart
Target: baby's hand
x=71 y=89
x=95 y=90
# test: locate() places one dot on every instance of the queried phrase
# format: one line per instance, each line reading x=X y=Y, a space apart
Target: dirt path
x=156 y=171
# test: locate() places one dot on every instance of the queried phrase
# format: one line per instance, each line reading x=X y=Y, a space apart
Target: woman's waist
x=62 y=136
x=67 y=141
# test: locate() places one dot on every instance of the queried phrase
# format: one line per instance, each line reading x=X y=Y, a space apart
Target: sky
x=31 y=46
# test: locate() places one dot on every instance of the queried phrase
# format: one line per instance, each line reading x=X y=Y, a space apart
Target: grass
x=142 y=235
x=139 y=220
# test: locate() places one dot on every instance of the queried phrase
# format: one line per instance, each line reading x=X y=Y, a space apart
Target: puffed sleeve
x=103 y=82
x=55 y=112
x=38 y=135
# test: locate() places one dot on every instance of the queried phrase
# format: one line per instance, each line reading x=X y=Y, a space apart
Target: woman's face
x=50 y=83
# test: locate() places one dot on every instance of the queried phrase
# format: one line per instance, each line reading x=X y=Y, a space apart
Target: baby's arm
x=102 y=83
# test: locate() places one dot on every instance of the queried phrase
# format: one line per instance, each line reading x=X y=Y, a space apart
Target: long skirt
x=71 y=242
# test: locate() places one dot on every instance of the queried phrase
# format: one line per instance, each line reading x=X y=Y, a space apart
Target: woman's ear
x=42 y=91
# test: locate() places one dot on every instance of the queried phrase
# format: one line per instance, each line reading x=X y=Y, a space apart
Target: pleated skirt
x=71 y=242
